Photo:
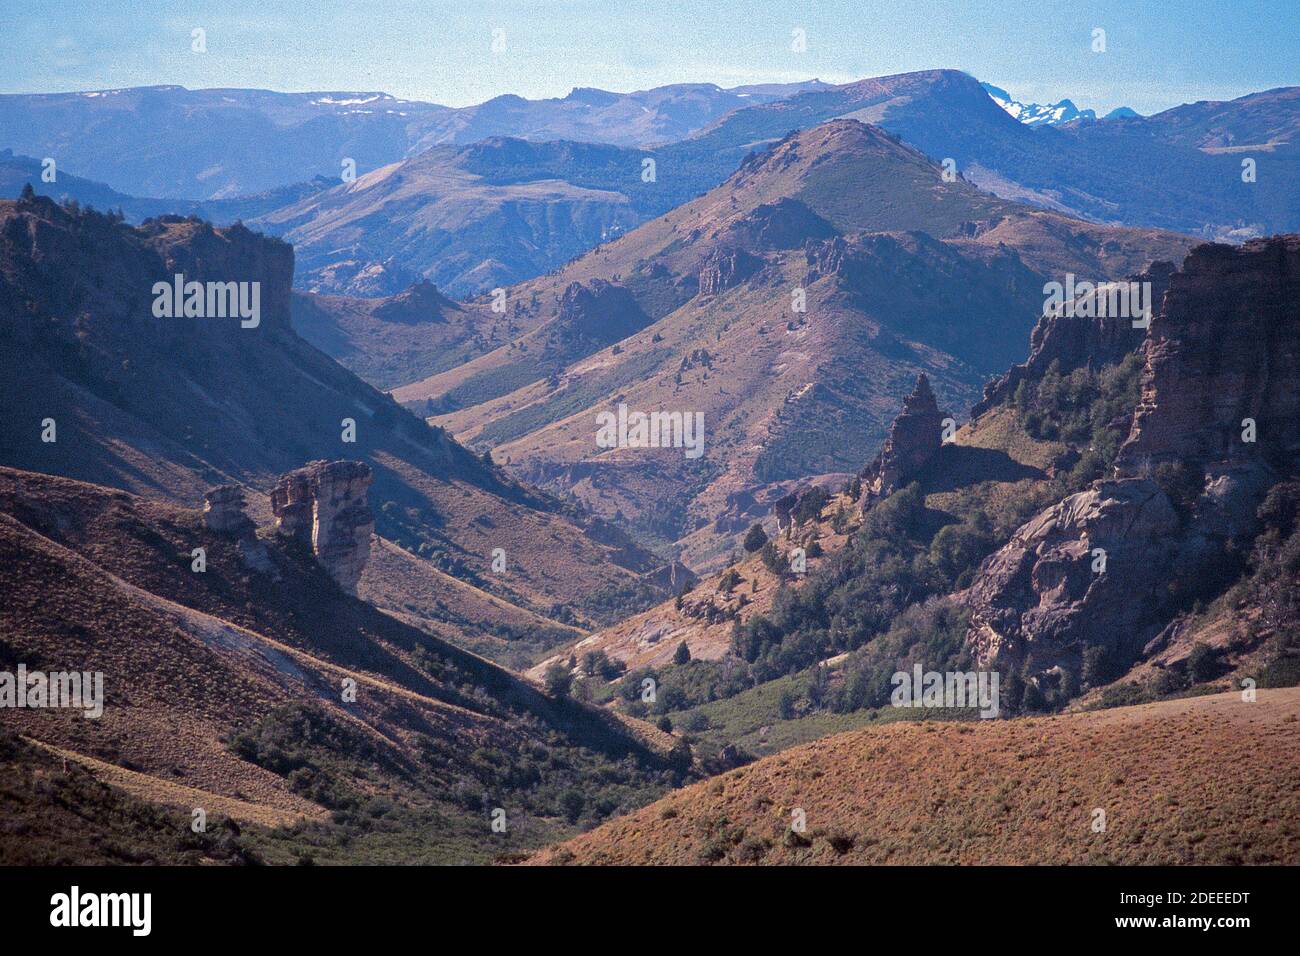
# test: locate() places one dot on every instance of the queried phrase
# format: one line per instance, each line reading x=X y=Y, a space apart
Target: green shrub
x=558 y=680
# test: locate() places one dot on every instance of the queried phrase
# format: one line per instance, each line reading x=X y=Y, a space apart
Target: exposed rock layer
x=1225 y=348
x=325 y=502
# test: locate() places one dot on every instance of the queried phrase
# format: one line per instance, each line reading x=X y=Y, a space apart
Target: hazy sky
x=1159 y=53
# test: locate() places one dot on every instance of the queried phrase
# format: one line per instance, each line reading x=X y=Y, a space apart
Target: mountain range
x=501 y=201
x=220 y=143
x=899 y=272
x=1117 y=172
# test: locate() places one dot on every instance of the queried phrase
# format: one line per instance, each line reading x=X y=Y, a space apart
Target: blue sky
x=1159 y=53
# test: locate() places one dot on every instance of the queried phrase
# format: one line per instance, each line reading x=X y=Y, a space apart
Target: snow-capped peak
x=1051 y=114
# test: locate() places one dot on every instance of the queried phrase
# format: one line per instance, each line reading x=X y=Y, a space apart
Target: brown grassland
x=1202 y=780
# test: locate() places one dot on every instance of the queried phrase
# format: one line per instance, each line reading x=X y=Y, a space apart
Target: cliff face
x=722 y=269
x=325 y=503
x=914 y=438
x=1077 y=337
x=1097 y=569
x=1226 y=347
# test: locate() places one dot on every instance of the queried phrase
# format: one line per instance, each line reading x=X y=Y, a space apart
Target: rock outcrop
x=325 y=503
x=914 y=438
x=600 y=312
x=784 y=224
x=1078 y=338
x=724 y=268
x=1225 y=346
x=223 y=511
x=1038 y=601
x=419 y=304
x=672 y=577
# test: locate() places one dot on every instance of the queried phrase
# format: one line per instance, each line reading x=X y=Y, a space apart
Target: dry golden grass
x=1207 y=780
x=170 y=793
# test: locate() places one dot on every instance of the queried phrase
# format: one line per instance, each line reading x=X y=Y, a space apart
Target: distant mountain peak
x=592 y=96
x=1050 y=114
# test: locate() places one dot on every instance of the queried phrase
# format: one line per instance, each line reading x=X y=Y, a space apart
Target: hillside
x=693 y=311
x=228 y=690
x=390 y=340
x=466 y=218
x=1108 y=465
x=173 y=407
x=1168 y=776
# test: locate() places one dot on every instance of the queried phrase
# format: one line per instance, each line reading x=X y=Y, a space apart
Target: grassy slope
x=1170 y=776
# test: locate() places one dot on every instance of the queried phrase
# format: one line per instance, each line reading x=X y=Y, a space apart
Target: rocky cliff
x=325 y=503
x=1108 y=567
x=1225 y=348
x=1078 y=337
